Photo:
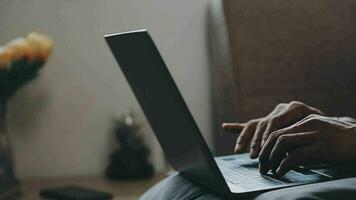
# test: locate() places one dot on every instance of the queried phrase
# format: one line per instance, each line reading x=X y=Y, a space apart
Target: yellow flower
x=34 y=40
x=46 y=48
x=43 y=43
x=20 y=48
x=6 y=55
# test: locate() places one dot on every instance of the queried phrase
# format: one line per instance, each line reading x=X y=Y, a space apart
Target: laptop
x=231 y=176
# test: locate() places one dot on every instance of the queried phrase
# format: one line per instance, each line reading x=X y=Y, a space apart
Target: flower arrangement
x=20 y=61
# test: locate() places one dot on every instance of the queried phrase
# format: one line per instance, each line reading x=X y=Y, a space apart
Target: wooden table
x=123 y=190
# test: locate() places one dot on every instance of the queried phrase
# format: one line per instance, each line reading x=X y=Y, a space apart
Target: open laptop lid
x=165 y=109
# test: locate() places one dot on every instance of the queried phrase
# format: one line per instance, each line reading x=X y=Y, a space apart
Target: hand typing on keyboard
x=316 y=138
x=294 y=134
x=255 y=132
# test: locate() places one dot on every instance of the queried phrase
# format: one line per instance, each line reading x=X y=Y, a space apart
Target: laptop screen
x=164 y=108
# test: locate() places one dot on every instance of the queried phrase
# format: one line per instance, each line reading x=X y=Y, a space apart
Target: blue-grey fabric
x=176 y=187
x=340 y=190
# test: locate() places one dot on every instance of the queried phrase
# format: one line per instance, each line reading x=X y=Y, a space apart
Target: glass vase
x=7 y=176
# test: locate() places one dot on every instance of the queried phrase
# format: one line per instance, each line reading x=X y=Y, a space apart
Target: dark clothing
x=176 y=187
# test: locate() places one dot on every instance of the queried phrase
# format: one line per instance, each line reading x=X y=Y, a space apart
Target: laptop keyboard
x=245 y=173
x=247 y=178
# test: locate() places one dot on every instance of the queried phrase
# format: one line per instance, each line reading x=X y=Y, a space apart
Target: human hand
x=255 y=132
x=315 y=138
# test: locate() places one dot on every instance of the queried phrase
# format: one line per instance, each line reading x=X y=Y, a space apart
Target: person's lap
x=176 y=187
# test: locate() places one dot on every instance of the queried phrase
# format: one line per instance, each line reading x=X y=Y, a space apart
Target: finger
x=257 y=137
x=283 y=119
x=286 y=116
x=265 y=152
x=233 y=127
x=271 y=126
x=280 y=107
x=288 y=143
x=298 y=157
x=245 y=137
x=264 y=156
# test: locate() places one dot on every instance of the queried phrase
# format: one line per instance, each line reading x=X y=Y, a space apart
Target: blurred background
x=232 y=60
x=60 y=124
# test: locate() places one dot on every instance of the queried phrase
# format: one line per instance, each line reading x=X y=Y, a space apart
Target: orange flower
x=6 y=56
x=21 y=49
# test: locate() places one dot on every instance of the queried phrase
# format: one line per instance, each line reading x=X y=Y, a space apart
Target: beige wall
x=60 y=123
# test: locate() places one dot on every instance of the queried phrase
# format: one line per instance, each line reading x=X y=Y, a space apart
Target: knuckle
x=281 y=105
x=273 y=136
x=281 y=139
x=252 y=122
x=296 y=103
x=261 y=124
x=312 y=117
x=254 y=145
x=297 y=106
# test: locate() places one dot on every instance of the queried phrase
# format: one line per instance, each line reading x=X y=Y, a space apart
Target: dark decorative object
x=74 y=192
x=130 y=159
